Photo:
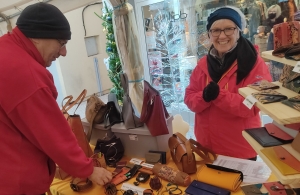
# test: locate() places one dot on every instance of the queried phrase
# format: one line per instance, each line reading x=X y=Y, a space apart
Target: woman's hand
x=211 y=91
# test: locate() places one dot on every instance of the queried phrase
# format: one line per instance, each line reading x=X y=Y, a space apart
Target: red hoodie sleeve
x=40 y=120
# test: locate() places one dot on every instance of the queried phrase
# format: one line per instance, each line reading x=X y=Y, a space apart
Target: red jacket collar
x=25 y=43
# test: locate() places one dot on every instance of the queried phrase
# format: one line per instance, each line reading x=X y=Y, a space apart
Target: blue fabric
x=224 y=13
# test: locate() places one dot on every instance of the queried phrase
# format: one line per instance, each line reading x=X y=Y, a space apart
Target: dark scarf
x=246 y=56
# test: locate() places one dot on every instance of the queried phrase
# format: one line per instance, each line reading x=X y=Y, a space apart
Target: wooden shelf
x=279 y=112
x=268 y=55
x=285 y=179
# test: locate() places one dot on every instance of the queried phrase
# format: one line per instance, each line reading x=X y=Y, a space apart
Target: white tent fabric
x=125 y=31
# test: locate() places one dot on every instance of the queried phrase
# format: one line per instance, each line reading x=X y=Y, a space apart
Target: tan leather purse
x=182 y=152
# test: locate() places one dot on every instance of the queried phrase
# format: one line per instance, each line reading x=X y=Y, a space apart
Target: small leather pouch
x=292 y=80
x=293 y=53
x=153 y=158
x=275 y=131
x=163 y=159
x=172 y=175
x=142 y=177
x=263 y=85
x=281 y=166
x=262 y=136
x=293 y=102
x=253 y=189
x=219 y=176
x=280 y=51
x=269 y=96
x=197 y=187
x=276 y=188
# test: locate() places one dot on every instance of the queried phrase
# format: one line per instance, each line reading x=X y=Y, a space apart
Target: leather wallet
x=269 y=96
x=263 y=85
x=281 y=166
x=200 y=188
x=275 y=131
x=120 y=177
x=286 y=157
x=293 y=102
x=152 y=158
x=253 y=189
x=296 y=143
x=262 y=136
x=229 y=179
x=163 y=159
x=276 y=188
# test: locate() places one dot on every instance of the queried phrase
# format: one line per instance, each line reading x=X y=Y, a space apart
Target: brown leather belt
x=78 y=184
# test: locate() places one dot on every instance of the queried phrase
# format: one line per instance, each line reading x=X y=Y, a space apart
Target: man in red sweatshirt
x=34 y=133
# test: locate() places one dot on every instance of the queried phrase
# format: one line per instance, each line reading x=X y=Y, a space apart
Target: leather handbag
x=154 y=113
x=172 y=175
x=281 y=166
x=200 y=188
x=293 y=102
x=112 y=148
x=130 y=120
x=94 y=112
x=263 y=85
x=286 y=33
x=74 y=120
x=182 y=152
x=269 y=96
x=113 y=115
x=219 y=176
x=262 y=136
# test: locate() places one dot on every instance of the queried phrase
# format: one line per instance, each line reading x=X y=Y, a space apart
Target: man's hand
x=100 y=176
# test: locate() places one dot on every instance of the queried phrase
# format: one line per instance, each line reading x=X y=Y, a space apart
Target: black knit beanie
x=42 y=20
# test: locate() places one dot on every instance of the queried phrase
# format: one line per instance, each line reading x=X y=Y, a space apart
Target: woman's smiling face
x=223 y=42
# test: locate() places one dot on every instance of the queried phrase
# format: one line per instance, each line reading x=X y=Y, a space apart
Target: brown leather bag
x=182 y=152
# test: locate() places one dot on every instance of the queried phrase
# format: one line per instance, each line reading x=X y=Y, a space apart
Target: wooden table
x=62 y=187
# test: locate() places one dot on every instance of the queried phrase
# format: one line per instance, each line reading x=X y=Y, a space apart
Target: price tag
x=249 y=101
x=136 y=161
x=297 y=67
x=147 y=165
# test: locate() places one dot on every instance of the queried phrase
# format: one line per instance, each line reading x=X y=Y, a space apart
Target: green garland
x=115 y=67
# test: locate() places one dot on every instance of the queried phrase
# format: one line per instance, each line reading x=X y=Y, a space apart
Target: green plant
x=115 y=67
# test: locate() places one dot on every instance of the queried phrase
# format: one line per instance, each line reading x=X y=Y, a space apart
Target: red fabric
x=34 y=132
x=286 y=33
x=219 y=123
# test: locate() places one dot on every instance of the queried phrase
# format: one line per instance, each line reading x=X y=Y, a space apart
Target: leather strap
x=78 y=184
x=69 y=104
x=194 y=146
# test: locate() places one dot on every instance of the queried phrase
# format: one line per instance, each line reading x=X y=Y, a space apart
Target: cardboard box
x=99 y=131
x=137 y=142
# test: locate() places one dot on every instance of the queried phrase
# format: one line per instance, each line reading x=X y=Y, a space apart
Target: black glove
x=211 y=91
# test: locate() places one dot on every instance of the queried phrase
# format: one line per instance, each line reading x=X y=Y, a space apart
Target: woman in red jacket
x=232 y=62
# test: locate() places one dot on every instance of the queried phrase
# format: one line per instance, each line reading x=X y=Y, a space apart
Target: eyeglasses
x=217 y=32
x=62 y=44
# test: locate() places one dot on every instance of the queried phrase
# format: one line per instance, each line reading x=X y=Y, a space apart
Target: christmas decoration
x=114 y=64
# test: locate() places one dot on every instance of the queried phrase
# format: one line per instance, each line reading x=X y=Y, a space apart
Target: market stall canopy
x=125 y=30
